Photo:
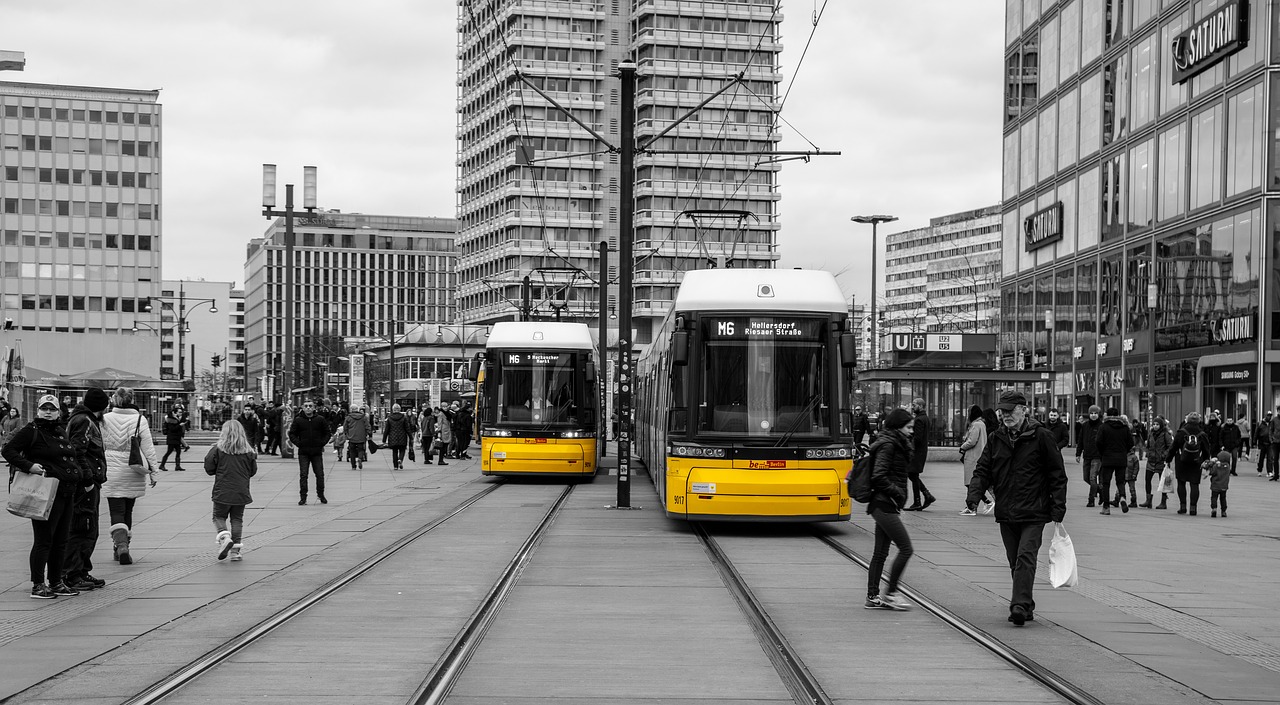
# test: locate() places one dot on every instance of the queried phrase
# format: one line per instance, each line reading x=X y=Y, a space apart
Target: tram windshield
x=541 y=388
x=764 y=376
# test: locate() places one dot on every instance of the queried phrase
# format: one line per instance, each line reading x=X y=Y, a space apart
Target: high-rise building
x=944 y=278
x=538 y=192
x=235 y=361
x=355 y=276
x=1139 y=220
x=80 y=228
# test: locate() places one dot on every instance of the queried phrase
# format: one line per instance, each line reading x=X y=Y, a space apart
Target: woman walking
x=1157 y=448
x=232 y=462
x=10 y=424
x=1189 y=450
x=125 y=482
x=41 y=448
x=396 y=432
x=975 y=441
x=890 y=459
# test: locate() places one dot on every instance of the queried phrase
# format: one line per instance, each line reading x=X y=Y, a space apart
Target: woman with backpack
x=890 y=458
x=1189 y=450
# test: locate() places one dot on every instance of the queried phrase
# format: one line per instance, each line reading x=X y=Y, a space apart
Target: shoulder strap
x=138 y=427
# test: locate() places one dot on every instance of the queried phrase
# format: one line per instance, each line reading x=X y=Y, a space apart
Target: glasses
x=1009 y=412
x=48 y=408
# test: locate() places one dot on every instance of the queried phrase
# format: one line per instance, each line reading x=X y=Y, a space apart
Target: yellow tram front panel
x=537 y=456
x=799 y=490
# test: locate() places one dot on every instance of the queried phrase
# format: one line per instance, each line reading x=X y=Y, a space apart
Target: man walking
x=1273 y=450
x=309 y=433
x=1087 y=446
x=861 y=425
x=920 y=441
x=1023 y=467
x=84 y=431
x=1113 y=442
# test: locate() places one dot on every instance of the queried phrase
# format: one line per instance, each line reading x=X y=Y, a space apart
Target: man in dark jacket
x=920 y=451
x=1087 y=447
x=1113 y=442
x=1273 y=450
x=1231 y=441
x=861 y=424
x=310 y=433
x=1022 y=466
x=84 y=432
x=175 y=431
x=1055 y=426
x=1213 y=430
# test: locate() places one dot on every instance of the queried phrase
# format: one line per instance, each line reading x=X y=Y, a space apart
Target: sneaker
x=90 y=579
x=873 y=603
x=40 y=591
x=224 y=544
x=80 y=584
x=63 y=590
x=1124 y=505
x=1089 y=505
x=967 y=512
x=1106 y=511
x=988 y=507
x=893 y=601
x=1018 y=615
x=235 y=551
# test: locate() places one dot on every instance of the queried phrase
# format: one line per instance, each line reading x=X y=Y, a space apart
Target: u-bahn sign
x=1044 y=227
x=1219 y=35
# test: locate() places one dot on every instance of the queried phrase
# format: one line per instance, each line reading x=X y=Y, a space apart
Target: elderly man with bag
x=1023 y=467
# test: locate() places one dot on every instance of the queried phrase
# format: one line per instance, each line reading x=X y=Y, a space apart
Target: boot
x=224 y=544
x=928 y=499
x=1106 y=509
x=235 y=551
x=1164 y=499
x=1146 y=504
x=120 y=539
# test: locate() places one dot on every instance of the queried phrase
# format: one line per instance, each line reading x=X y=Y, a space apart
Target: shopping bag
x=1062 y=559
x=1166 y=481
x=373 y=446
x=31 y=496
x=412 y=459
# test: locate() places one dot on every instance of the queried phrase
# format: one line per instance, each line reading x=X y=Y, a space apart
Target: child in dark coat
x=232 y=462
x=1219 y=473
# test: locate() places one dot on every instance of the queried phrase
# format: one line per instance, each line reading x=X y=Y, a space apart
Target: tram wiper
x=809 y=403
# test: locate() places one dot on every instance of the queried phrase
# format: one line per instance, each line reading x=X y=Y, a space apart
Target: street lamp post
x=874 y=220
x=268 y=210
x=183 y=326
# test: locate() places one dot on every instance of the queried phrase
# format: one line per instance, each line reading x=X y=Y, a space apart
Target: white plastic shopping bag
x=1062 y=559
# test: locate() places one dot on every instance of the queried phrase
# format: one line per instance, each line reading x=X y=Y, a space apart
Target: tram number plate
x=703 y=488
x=499 y=455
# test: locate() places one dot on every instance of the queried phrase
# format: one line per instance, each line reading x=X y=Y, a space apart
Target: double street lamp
x=182 y=307
x=269 y=211
x=874 y=220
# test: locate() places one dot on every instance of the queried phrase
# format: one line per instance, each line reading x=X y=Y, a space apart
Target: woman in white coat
x=125 y=484
x=975 y=441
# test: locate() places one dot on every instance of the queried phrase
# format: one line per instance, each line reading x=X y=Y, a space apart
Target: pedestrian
x=1213 y=431
x=1087 y=448
x=1056 y=426
x=1219 y=477
x=989 y=418
x=41 y=448
x=1114 y=441
x=272 y=428
x=309 y=434
x=1023 y=466
x=252 y=425
x=84 y=432
x=444 y=432
x=125 y=483
x=1246 y=435
x=861 y=425
x=890 y=468
x=920 y=451
x=356 y=428
x=232 y=461
x=1157 y=448
x=1262 y=440
x=396 y=432
x=1273 y=449
x=1189 y=450
x=175 y=431
x=462 y=421
x=427 y=425
x=1231 y=441
x=10 y=424
x=975 y=441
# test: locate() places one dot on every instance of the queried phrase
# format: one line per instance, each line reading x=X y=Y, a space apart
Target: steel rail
x=797 y=678
x=202 y=665
x=1026 y=664
x=435 y=687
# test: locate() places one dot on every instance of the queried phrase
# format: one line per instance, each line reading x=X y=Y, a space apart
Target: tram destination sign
x=1220 y=34
x=1044 y=227
x=763 y=328
x=535 y=359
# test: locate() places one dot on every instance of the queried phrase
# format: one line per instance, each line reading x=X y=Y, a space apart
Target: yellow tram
x=742 y=409
x=536 y=400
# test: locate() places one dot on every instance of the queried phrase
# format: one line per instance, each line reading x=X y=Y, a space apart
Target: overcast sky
x=909 y=92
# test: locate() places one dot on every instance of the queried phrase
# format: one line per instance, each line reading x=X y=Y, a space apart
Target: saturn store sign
x=1219 y=35
x=1044 y=227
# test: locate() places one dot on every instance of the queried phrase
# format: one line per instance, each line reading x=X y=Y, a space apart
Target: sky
x=910 y=93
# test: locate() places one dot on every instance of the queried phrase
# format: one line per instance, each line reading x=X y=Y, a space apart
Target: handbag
x=31 y=496
x=1167 y=481
x=136 y=461
x=411 y=456
x=373 y=447
x=1062 y=559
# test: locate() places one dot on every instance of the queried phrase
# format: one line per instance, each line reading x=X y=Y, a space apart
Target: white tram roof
x=540 y=334
x=760 y=290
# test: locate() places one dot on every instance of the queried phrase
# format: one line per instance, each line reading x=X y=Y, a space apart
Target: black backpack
x=1191 y=450
x=859 y=479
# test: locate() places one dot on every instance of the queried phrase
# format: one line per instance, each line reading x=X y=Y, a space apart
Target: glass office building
x=1139 y=216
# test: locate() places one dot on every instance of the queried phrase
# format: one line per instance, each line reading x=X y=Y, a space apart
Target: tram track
x=445 y=670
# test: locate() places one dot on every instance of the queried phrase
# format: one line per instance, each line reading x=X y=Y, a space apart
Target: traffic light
x=217 y=361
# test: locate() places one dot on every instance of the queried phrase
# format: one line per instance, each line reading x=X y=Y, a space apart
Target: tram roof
x=760 y=290
x=540 y=334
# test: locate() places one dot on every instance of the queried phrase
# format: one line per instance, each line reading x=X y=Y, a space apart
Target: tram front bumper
x=546 y=457
x=798 y=494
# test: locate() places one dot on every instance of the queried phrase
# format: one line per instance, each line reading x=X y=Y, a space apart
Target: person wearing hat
x=1087 y=447
x=1023 y=467
x=41 y=448
x=890 y=467
x=84 y=431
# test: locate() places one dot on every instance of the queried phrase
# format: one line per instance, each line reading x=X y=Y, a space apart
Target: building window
x=1171 y=185
x=1245 y=153
x=1143 y=98
x=1141 y=184
x=1089 y=210
x=1090 y=115
x=1115 y=100
x=1114 y=192
x=1206 y=157
x=1068 y=129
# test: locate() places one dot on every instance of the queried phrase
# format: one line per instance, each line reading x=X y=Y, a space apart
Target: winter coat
x=231 y=473
x=117 y=428
x=975 y=441
x=428 y=426
x=861 y=426
x=175 y=428
x=1113 y=442
x=1188 y=469
x=252 y=427
x=1213 y=431
x=891 y=455
x=1023 y=468
x=444 y=426
x=1132 y=466
x=1086 y=444
x=309 y=434
x=396 y=430
x=462 y=420
x=1158 y=448
x=1219 y=475
x=1245 y=428
x=1273 y=429
x=1230 y=437
x=9 y=426
x=1061 y=434
x=45 y=443
x=356 y=426
x=84 y=432
x=920 y=443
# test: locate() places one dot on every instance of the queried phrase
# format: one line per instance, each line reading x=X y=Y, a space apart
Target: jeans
x=121 y=509
x=50 y=542
x=1092 y=467
x=236 y=512
x=177 y=455
x=310 y=463
x=1152 y=474
x=1235 y=459
x=1273 y=459
x=83 y=536
x=1182 y=493
x=1104 y=483
x=397 y=456
x=1021 y=546
x=889 y=529
x=355 y=453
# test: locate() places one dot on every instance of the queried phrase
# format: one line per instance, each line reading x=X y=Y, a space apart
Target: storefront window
x=1143 y=98
x=1048 y=143
x=1049 y=56
x=1026 y=304
x=1090 y=110
x=1008 y=326
x=1109 y=293
x=1245 y=152
x=1088 y=222
x=1206 y=274
x=1137 y=275
x=1206 y=157
x=1115 y=100
x=1172 y=184
x=1011 y=243
x=1068 y=128
x=1172 y=95
x=1113 y=197
x=1091 y=31
x=1070 y=39
x=1141 y=184
x=1087 y=299
x=1044 y=302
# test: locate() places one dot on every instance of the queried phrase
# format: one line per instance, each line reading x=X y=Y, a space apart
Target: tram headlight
x=683 y=451
x=497 y=432
x=577 y=434
x=827 y=453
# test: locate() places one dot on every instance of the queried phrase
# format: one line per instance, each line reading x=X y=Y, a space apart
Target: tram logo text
x=766 y=464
